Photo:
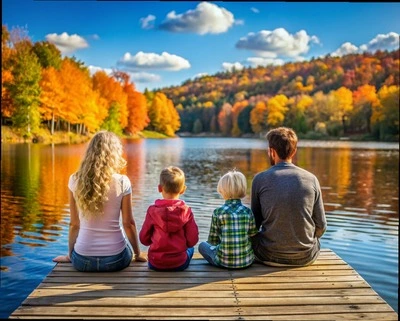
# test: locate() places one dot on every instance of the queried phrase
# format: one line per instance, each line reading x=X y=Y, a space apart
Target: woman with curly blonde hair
x=98 y=195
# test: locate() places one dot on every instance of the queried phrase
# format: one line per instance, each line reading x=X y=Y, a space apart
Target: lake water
x=359 y=183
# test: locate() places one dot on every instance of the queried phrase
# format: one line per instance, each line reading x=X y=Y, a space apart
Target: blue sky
x=165 y=43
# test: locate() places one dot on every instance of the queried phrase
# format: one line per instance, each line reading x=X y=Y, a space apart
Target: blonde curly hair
x=103 y=158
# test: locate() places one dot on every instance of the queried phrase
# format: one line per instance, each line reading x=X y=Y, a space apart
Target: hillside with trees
x=357 y=94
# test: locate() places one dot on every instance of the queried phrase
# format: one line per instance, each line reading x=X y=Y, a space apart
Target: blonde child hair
x=232 y=185
x=172 y=179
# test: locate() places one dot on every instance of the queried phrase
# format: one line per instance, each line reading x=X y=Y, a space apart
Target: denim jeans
x=262 y=256
x=184 y=266
x=209 y=252
x=102 y=263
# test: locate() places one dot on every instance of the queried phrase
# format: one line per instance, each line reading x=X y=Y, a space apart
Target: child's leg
x=209 y=252
x=189 y=253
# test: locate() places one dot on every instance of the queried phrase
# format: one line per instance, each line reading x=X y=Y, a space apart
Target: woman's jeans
x=184 y=266
x=102 y=263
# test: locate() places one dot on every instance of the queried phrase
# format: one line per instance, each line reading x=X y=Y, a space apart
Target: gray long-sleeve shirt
x=286 y=201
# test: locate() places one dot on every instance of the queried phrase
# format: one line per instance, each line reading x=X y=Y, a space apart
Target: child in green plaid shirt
x=232 y=225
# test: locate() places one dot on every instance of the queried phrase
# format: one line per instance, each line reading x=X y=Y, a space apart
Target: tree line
x=356 y=94
x=40 y=87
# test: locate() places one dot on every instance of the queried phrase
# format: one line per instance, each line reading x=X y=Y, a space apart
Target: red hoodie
x=169 y=229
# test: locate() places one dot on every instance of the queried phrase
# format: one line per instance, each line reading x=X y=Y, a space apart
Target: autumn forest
x=355 y=95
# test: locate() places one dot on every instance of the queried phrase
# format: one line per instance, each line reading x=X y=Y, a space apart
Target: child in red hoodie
x=169 y=227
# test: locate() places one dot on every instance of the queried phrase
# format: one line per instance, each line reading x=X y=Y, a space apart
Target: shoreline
x=8 y=135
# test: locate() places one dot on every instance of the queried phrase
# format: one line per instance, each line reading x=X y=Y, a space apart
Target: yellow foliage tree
x=365 y=100
x=276 y=110
x=258 y=117
x=164 y=118
x=344 y=103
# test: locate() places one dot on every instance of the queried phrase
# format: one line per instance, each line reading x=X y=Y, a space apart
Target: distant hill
x=199 y=100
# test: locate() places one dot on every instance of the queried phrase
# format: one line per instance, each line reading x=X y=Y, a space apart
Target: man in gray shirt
x=287 y=203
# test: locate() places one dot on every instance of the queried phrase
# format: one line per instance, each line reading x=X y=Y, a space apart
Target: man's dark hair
x=283 y=140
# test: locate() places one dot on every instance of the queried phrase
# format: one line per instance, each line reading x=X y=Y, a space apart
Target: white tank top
x=103 y=235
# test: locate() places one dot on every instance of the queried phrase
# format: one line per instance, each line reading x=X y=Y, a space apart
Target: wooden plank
x=213 y=269
x=200 y=274
x=309 y=285
x=137 y=293
x=138 y=312
x=373 y=316
x=131 y=301
x=143 y=287
x=207 y=302
x=195 y=294
x=290 y=311
x=126 y=280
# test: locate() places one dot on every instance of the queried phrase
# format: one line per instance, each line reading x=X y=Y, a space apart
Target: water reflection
x=359 y=187
x=33 y=194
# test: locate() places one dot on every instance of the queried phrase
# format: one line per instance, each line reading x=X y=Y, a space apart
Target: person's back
x=169 y=228
x=287 y=204
x=232 y=225
x=102 y=234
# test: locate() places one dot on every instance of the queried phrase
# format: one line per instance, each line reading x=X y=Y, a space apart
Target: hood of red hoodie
x=170 y=215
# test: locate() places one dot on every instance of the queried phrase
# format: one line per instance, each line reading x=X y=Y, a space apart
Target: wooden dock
x=327 y=290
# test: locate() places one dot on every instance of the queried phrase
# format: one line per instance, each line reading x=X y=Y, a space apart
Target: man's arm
x=319 y=212
x=255 y=204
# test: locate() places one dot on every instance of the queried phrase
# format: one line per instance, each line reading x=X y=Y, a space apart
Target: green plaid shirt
x=231 y=227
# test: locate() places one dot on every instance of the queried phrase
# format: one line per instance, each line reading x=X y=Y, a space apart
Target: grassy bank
x=9 y=135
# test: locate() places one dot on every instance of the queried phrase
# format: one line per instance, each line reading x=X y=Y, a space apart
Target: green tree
x=111 y=123
x=197 y=126
x=244 y=120
x=25 y=89
x=48 y=54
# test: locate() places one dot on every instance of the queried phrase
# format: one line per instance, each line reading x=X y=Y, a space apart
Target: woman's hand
x=140 y=258
x=62 y=259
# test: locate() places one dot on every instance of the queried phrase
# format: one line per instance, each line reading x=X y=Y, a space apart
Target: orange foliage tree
x=112 y=91
x=136 y=104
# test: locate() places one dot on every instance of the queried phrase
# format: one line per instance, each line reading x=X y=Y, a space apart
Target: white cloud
x=147 y=22
x=227 y=66
x=278 y=42
x=67 y=43
x=260 y=61
x=345 y=49
x=143 y=60
x=255 y=10
x=206 y=18
x=239 y=22
x=199 y=75
x=94 y=69
x=139 y=77
x=389 y=41
x=144 y=77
